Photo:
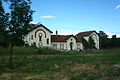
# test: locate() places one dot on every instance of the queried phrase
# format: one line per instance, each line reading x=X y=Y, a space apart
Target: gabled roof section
x=86 y=33
x=60 y=38
x=39 y=25
x=81 y=34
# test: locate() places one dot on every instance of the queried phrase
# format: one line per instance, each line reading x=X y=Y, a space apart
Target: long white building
x=41 y=36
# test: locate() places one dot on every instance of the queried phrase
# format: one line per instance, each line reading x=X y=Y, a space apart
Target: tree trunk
x=10 y=57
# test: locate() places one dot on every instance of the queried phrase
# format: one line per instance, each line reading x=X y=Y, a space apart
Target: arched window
x=40 y=37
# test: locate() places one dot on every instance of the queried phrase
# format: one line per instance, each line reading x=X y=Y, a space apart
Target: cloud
x=48 y=16
x=117 y=7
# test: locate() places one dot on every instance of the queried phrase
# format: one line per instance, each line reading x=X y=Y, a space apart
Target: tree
x=85 y=43
x=19 y=22
x=104 y=40
x=114 y=41
x=91 y=43
x=4 y=17
x=20 y=18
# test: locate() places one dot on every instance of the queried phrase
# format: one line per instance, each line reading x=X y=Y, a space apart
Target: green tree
x=104 y=40
x=85 y=43
x=114 y=41
x=20 y=18
x=4 y=17
x=91 y=43
x=19 y=22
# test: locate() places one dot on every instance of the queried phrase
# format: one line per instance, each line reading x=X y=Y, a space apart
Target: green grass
x=97 y=65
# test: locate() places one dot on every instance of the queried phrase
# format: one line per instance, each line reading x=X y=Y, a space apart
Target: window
x=31 y=36
x=40 y=37
x=47 y=41
x=39 y=44
x=61 y=46
x=78 y=46
x=55 y=46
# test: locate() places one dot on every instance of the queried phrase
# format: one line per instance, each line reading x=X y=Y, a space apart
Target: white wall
x=96 y=39
x=66 y=44
x=48 y=36
x=80 y=46
x=73 y=40
x=36 y=39
x=58 y=45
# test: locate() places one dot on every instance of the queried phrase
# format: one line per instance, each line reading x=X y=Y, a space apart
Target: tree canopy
x=19 y=19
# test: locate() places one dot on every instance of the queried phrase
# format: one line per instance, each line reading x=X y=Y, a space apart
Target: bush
x=24 y=50
x=47 y=51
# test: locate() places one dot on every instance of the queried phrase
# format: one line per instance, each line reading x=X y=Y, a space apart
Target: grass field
x=98 y=65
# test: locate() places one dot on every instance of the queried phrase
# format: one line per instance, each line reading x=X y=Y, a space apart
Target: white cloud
x=110 y=34
x=48 y=16
x=117 y=7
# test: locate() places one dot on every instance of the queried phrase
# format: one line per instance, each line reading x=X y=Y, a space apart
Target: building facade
x=41 y=36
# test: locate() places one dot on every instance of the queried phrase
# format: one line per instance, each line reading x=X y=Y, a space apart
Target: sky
x=74 y=16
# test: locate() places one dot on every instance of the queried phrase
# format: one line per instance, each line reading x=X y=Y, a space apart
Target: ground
x=100 y=65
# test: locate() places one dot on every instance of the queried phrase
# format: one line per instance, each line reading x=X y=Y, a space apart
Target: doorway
x=71 y=45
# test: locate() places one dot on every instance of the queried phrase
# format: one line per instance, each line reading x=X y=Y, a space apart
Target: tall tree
x=4 y=17
x=85 y=43
x=91 y=43
x=104 y=40
x=114 y=42
x=21 y=16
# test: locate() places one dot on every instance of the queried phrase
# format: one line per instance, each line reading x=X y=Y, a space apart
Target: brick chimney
x=56 y=32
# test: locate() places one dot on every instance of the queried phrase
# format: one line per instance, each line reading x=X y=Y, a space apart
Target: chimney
x=56 y=32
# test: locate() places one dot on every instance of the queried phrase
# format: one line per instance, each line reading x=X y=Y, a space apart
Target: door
x=71 y=45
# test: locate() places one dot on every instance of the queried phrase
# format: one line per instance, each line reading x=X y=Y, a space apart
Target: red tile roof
x=81 y=34
x=86 y=33
x=63 y=38
x=60 y=38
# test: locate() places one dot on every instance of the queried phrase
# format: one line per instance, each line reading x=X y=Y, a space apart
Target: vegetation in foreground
x=97 y=65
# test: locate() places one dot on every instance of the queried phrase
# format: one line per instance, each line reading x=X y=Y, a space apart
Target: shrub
x=24 y=50
x=47 y=51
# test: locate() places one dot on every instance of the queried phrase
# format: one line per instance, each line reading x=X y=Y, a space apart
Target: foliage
x=20 y=17
x=47 y=51
x=96 y=66
x=85 y=43
x=30 y=51
x=3 y=25
x=15 y=24
x=91 y=43
x=106 y=42
x=114 y=42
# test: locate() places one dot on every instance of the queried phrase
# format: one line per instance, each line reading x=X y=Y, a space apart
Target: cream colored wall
x=81 y=46
x=58 y=45
x=36 y=40
x=48 y=36
x=96 y=39
x=73 y=41
x=66 y=44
